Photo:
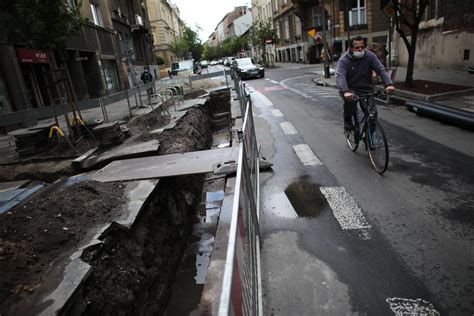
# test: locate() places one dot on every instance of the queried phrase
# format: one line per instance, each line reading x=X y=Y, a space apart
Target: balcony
x=93 y=38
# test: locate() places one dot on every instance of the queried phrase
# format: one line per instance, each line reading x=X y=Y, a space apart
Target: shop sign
x=31 y=56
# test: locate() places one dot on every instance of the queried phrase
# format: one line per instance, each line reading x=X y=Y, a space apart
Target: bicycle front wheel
x=377 y=147
x=352 y=138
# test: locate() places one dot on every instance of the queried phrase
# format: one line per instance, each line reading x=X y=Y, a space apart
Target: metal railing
x=241 y=288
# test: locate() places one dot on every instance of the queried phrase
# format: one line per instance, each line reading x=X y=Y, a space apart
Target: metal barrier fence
x=241 y=288
x=101 y=106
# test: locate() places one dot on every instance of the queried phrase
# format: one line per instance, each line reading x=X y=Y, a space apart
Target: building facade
x=445 y=39
x=104 y=57
x=344 y=19
x=165 y=26
x=292 y=45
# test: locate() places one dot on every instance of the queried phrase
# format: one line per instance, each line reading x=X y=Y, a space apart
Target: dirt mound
x=193 y=133
x=35 y=236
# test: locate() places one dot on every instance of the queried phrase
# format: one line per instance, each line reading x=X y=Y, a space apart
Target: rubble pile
x=109 y=134
x=32 y=141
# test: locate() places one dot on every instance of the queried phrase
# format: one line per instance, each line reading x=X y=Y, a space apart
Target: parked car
x=247 y=68
x=213 y=63
x=204 y=64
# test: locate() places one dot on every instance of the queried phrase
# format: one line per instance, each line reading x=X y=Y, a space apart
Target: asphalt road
x=340 y=239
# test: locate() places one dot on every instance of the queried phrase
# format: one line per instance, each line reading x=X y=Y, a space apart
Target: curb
x=321 y=81
x=432 y=97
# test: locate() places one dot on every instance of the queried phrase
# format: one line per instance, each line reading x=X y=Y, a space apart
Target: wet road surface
x=340 y=239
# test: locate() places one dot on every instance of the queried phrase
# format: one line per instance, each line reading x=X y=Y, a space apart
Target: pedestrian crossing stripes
x=288 y=128
x=346 y=211
x=277 y=113
x=306 y=155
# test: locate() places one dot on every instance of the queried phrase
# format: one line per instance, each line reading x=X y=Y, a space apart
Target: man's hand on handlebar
x=389 y=89
x=349 y=96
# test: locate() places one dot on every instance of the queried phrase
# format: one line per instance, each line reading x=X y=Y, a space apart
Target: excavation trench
x=132 y=268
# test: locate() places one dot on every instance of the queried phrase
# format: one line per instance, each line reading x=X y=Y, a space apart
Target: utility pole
x=325 y=43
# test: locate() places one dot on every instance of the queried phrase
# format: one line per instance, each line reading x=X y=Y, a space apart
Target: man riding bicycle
x=354 y=76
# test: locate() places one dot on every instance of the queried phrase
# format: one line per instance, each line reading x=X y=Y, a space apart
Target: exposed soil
x=35 y=236
x=429 y=87
x=47 y=170
x=132 y=270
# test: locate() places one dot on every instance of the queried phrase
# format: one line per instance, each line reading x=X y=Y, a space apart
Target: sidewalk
x=463 y=101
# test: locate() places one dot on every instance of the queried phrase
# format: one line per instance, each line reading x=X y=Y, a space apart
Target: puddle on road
x=306 y=198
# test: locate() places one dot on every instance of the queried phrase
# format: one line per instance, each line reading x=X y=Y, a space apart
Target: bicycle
x=370 y=131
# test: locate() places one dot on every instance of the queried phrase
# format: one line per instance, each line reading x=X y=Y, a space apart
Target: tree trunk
x=411 y=58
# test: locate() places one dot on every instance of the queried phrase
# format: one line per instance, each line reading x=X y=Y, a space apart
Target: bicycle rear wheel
x=377 y=146
x=352 y=138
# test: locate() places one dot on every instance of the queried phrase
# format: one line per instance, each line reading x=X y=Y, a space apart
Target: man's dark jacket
x=355 y=74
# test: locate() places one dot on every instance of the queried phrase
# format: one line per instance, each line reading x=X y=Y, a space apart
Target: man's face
x=358 y=46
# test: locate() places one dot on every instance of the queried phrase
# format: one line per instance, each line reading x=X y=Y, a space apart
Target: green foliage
x=188 y=43
x=159 y=60
x=229 y=47
x=42 y=24
x=262 y=31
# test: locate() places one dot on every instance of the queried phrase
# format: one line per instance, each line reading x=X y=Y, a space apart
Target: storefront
x=34 y=65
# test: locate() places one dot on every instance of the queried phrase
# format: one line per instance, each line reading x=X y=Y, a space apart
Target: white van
x=183 y=68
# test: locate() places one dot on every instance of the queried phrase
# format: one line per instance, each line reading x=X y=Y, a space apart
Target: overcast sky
x=206 y=13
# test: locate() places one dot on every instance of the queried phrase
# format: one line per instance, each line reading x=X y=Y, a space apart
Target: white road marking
x=306 y=155
x=406 y=306
x=288 y=128
x=260 y=99
x=273 y=81
x=277 y=113
x=346 y=211
x=267 y=79
x=329 y=96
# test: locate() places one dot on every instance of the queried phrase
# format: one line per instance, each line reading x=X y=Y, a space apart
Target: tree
x=44 y=24
x=408 y=15
x=260 y=32
x=189 y=42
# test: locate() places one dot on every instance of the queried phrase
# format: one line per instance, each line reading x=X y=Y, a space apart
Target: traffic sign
x=389 y=10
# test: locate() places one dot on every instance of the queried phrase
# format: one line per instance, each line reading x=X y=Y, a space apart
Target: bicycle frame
x=368 y=107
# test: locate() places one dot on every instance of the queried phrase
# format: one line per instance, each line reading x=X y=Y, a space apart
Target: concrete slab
x=123 y=151
x=75 y=273
x=11 y=198
x=187 y=104
x=164 y=166
x=13 y=185
x=175 y=118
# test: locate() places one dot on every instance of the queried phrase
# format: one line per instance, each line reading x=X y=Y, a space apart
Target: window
x=466 y=54
x=357 y=13
x=434 y=10
x=297 y=27
x=287 y=29
x=96 y=15
x=316 y=16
